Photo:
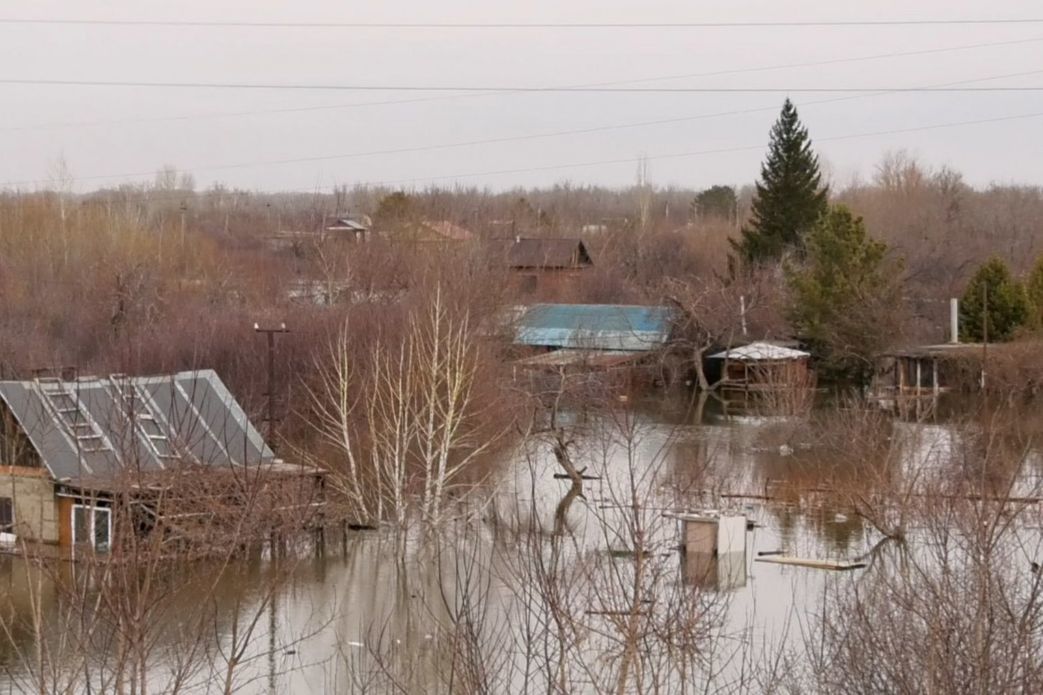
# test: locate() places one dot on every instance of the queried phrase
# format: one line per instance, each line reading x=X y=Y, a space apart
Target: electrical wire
x=329 y=107
x=696 y=153
x=504 y=139
x=631 y=160
x=516 y=89
x=783 y=24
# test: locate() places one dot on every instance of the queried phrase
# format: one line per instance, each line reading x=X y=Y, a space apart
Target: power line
x=508 y=89
x=503 y=139
x=715 y=73
x=237 y=24
x=673 y=155
x=695 y=153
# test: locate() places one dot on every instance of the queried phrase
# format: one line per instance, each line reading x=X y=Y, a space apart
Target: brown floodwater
x=373 y=608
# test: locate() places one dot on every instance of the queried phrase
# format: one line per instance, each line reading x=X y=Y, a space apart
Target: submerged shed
x=927 y=370
x=595 y=336
x=763 y=366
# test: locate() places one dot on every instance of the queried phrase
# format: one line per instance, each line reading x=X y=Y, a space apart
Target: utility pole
x=270 y=333
x=184 y=208
x=984 y=331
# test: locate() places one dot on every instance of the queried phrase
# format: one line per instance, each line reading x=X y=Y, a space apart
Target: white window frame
x=92 y=511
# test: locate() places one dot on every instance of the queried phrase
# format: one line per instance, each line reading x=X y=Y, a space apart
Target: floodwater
x=537 y=586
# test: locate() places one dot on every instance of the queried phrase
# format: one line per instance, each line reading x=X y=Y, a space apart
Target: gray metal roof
x=100 y=427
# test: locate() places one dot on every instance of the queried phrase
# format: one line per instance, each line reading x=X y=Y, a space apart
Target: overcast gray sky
x=112 y=134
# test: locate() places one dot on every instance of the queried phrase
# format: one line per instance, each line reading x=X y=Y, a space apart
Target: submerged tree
x=844 y=296
x=994 y=305
x=790 y=195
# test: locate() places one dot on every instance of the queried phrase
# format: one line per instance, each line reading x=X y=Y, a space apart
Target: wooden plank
x=65 y=522
x=838 y=565
x=25 y=471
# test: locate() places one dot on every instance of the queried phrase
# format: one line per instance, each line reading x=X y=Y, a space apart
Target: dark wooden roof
x=542 y=253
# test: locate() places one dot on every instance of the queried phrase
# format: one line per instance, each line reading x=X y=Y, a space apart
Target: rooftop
x=95 y=428
x=594 y=326
x=542 y=253
x=761 y=351
x=939 y=350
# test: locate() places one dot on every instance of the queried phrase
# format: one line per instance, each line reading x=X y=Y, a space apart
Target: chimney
x=954 y=321
x=742 y=314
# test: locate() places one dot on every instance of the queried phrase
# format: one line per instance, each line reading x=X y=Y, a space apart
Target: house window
x=6 y=515
x=92 y=526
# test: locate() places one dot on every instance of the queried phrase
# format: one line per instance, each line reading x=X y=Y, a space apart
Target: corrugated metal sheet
x=760 y=351
x=594 y=326
x=193 y=412
x=601 y=359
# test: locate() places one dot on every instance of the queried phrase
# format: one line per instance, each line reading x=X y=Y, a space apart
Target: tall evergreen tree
x=790 y=195
x=994 y=301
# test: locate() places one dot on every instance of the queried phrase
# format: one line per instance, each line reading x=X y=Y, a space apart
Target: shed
x=927 y=370
x=763 y=366
x=351 y=227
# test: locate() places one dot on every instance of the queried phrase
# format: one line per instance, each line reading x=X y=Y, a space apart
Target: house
x=591 y=336
x=169 y=453
x=352 y=228
x=349 y=227
x=763 y=366
x=544 y=267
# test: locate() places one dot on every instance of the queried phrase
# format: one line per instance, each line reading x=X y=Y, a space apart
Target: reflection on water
x=363 y=616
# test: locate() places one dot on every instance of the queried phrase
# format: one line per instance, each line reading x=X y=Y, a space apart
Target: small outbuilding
x=590 y=336
x=349 y=227
x=928 y=370
x=763 y=366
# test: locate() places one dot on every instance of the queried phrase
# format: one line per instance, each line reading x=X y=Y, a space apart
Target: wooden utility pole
x=270 y=394
x=184 y=209
x=984 y=331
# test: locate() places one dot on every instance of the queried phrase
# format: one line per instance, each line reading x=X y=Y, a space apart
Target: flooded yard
x=546 y=585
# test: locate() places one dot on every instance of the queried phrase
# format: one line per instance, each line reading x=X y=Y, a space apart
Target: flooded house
x=763 y=366
x=591 y=337
x=171 y=453
x=538 y=267
x=349 y=227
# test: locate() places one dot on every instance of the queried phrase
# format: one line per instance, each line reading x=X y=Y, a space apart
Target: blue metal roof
x=594 y=326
